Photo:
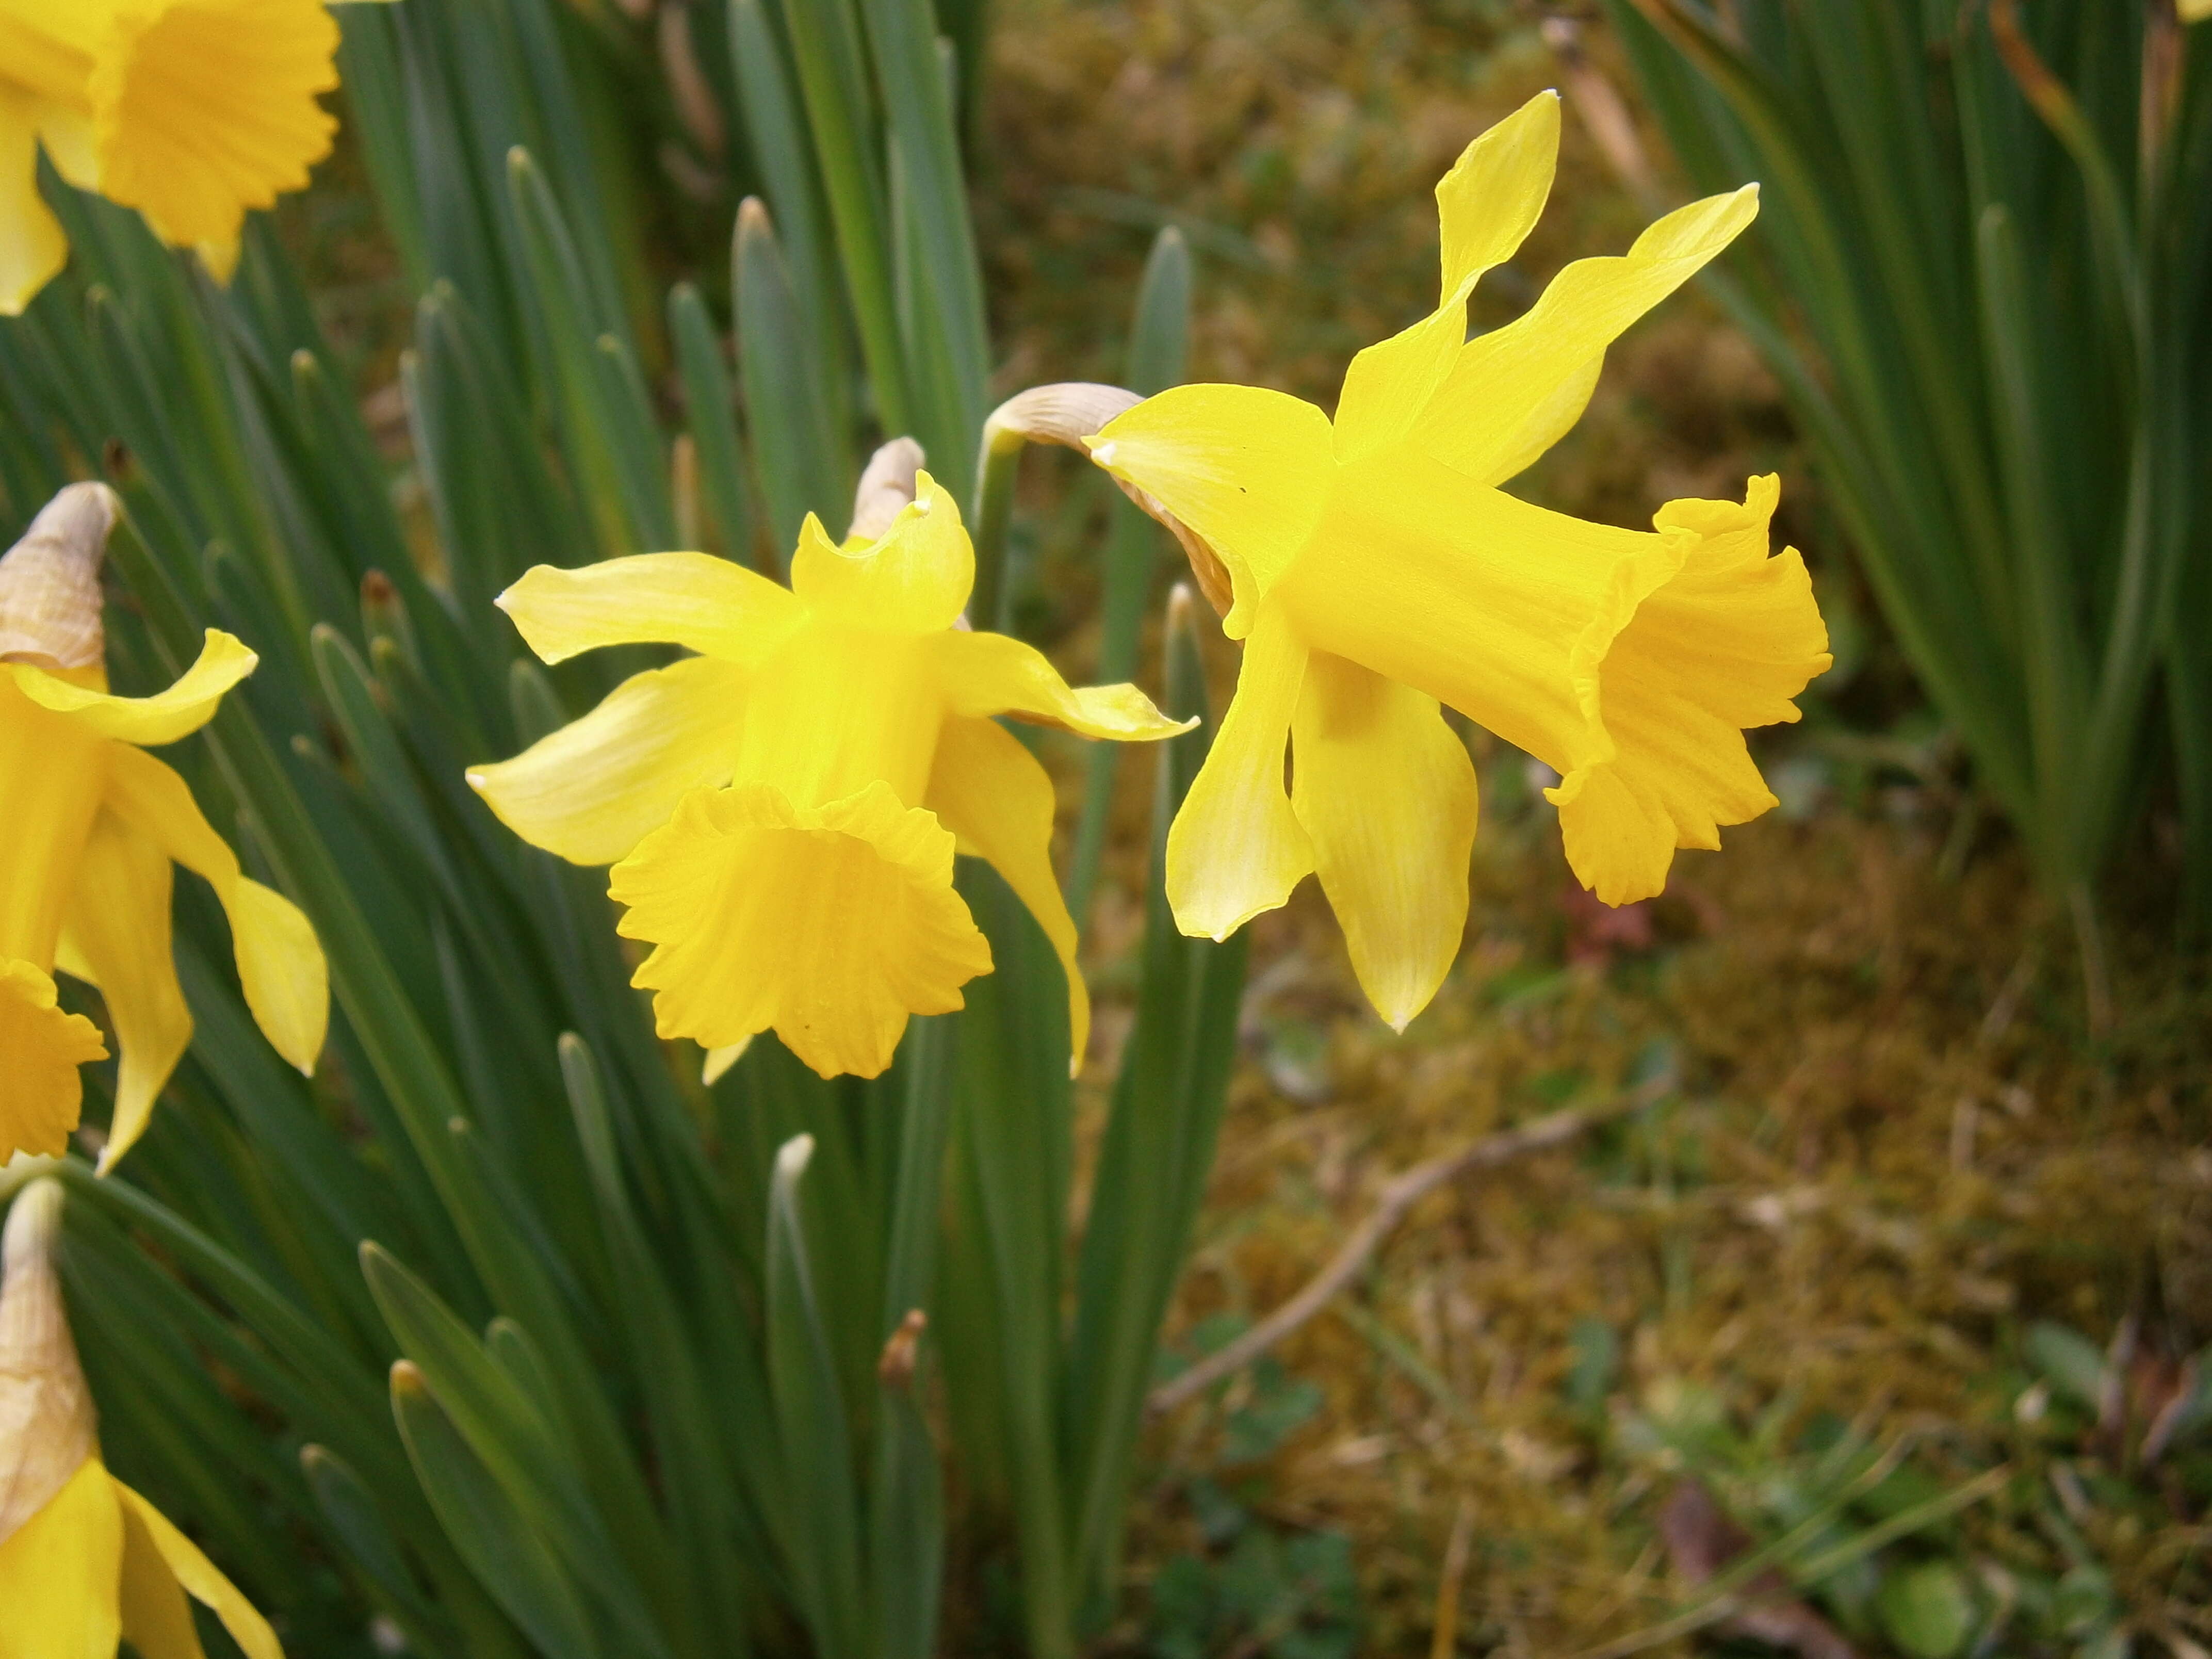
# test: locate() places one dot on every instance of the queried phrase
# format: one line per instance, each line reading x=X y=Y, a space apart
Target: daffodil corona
x=91 y=827
x=1375 y=571
x=85 y=1562
x=781 y=811
x=190 y=111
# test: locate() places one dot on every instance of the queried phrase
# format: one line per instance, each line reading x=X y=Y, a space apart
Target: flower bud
x=886 y=487
x=50 y=582
x=47 y=1425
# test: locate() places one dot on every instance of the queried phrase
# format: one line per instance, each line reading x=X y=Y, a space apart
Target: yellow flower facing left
x=90 y=828
x=781 y=811
x=190 y=111
x=85 y=1562
x=1377 y=570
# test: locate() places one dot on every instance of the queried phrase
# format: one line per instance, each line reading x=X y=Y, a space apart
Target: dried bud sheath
x=47 y=1425
x=1071 y=414
x=50 y=603
x=886 y=487
x=1067 y=413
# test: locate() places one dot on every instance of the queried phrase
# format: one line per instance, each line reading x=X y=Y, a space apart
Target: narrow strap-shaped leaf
x=1013 y=1125
x=497 y=1536
x=605 y=415
x=775 y=127
x=1159 y=339
x=704 y=1507
x=906 y=1515
x=351 y=1512
x=822 y=1530
x=831 y=61
x=711 y=404
x=803 y=462
x=1155 y=1154
x=519 y=1447
x=938 y=240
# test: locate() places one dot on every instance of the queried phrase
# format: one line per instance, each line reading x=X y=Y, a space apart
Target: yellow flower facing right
x=1377 y=570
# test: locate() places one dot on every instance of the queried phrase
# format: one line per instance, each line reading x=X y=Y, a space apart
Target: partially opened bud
x=50 y=582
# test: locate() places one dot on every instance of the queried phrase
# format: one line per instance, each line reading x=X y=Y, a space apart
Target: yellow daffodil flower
x=91 y=825
x=190 y=111
x=1376 y=569
x=85 y=1562
x=781 y=811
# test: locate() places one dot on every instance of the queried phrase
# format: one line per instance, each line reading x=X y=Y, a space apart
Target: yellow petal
x=719 y=1061
x=715 y=607
x=1547 y=422
x=1248 y=469
x=117 y=938
x=830 y=925
x=41 y=1048
x=32 y=245
x=992 y=793
x=591 y=791
x=1489 y=202
x=60 y=1574
x=279 y=961
x=913 y=578
x=1478 y=423
x=220 y=258
x=1388 y=384
x=52 y=773
x=1726 y=643
x=147 y=721
x=986 y=674
x=1236 y=849
x=204 y=108
x=149 y=1528
x=157 y=1620
x=1385 y=790
x=49 y=48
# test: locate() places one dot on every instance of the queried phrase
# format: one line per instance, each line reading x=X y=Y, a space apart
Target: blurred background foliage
x=1895 y=1292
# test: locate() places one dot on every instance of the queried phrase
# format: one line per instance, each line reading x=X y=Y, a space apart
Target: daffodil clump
x=190 y=111
x=1377 y=571
x=85 y=1562
x=781 y=810
x=91 y=826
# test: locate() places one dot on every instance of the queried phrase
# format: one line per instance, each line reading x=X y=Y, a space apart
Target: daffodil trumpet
x=1376 y=572
x=781 y=810
x=92 y=826
x=85 y=1562
x=190 y=111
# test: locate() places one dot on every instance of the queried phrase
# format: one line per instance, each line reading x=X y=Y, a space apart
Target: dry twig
x=1400 y=1196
